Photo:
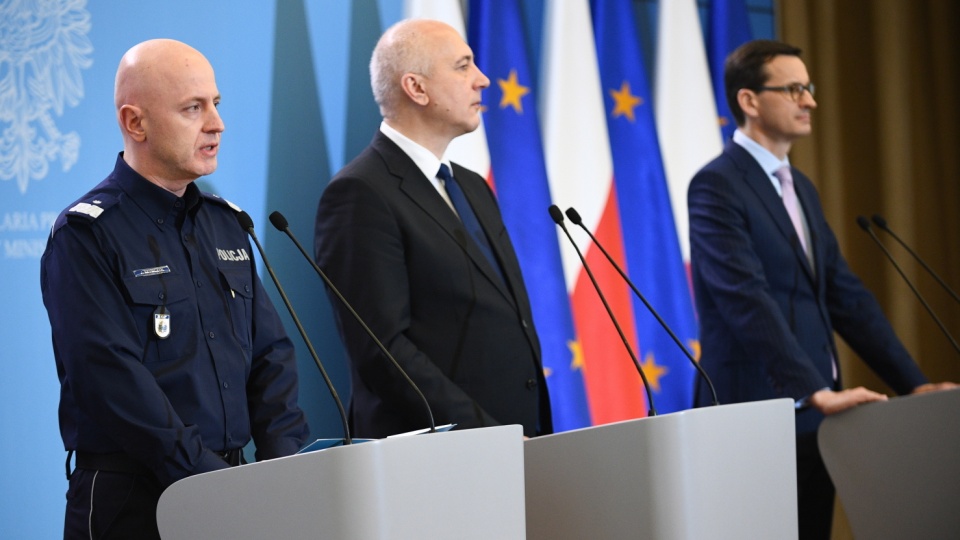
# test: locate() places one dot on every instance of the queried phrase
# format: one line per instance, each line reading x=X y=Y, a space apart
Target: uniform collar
x=159 y=204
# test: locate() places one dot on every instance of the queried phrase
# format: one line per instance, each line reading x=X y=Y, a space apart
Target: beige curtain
x=887 y=141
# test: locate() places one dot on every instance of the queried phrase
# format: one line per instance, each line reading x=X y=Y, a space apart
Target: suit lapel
x=811 y=204
x=423 y=195
x=762 y=186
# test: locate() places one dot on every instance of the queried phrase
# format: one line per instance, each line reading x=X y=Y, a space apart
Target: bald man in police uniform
x=169 y=352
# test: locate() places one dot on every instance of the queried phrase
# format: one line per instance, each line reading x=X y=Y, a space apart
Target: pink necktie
x=793 y=208
x=790 y=202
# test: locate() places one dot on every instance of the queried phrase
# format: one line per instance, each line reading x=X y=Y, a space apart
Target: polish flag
x=687 y=122
x=580 y=169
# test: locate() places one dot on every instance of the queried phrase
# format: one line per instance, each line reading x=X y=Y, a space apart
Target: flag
x=516 y=156
x=728 y=27
x=685 y=110
x=649 y=234
x=468 y=150
x=580 y=169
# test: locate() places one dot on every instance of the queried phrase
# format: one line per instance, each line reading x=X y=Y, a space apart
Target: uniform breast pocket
x=238 y=287
x=161 y=305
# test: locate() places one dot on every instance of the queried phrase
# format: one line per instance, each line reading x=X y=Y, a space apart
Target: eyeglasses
x=795 y=90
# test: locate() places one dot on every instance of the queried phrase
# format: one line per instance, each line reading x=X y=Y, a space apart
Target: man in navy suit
x=772 y=288
x=437 y=281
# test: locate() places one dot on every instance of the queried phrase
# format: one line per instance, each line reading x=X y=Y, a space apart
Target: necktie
x=468 y=217
x=790 y=202
x=793 y=209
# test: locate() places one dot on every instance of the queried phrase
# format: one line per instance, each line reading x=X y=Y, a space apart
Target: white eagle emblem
x=43 y=47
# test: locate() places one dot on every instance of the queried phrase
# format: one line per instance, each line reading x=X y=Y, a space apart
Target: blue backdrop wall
x=297 y=106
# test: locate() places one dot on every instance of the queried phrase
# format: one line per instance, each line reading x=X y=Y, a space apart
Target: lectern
x=719 y=472
x=896 y=465
x=457 y=484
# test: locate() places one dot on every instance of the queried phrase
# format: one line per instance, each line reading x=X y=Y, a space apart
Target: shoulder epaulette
x=90 y=207
x=85 y=210
x=220 y=200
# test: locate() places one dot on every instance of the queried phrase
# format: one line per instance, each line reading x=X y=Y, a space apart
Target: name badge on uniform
x=161 y=322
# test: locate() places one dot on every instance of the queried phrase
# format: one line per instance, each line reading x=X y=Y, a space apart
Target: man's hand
x=934 y=387
x=830 y=402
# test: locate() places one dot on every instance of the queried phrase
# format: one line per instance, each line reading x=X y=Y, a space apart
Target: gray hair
x=400 y=50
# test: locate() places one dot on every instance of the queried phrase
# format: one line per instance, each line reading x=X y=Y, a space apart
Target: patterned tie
x=790 y=202
x=468 y=217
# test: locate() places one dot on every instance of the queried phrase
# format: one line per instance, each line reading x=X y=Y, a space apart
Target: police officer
x=170 y=355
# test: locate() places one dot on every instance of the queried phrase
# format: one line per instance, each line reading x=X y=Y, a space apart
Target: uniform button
x=161 y=296
x=226 y=384
x=523 y=322
x=246 y=288
x=198 y=283
x=531 y=383
x=160 y=221
x=212 y=335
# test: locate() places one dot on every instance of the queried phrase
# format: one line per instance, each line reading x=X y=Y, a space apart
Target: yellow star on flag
x=513 y=91
x=694 y=345
x=653 y=371
x=624 y=102
x=576 y=351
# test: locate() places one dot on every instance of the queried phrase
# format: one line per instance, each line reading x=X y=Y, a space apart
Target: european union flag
x=520 y=177
x=654 y=262
x=728 y=27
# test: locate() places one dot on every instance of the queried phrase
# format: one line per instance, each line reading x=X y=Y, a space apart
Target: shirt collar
x=769 y=162
x=422 y=158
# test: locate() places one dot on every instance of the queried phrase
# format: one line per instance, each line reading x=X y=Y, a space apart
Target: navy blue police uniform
x=169 y=352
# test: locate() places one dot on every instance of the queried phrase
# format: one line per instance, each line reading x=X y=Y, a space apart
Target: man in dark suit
x=438 y=282
x=770 y=282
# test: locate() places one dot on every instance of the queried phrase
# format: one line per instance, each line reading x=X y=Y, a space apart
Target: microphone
x=557 y=216
x=575 y=218
x=280 y=222
x=882 y=223
x=865 y=225
x=246 y=223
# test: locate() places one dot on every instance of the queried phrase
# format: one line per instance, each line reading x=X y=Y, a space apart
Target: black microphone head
x=246 y=222
x=574 y=216
x=863 y=223
x=556 y=214
x=279 y=221
x=880 y=222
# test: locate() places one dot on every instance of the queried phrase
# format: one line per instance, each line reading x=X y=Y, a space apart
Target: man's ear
x=749 y=102
x=131 y=122
x=413 y=87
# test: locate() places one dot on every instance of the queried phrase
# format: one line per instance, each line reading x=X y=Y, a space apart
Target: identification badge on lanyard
x=161 y=322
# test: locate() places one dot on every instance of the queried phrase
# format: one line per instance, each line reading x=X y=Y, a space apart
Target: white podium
x=896 y=465
x=457 y=484
x=718 y=472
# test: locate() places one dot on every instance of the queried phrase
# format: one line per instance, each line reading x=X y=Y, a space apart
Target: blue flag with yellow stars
x=653 y=256
x=519 y=177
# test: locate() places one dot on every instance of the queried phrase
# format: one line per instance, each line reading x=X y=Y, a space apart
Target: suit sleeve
x=858 y=319
x=362 y=247
x=724 y=256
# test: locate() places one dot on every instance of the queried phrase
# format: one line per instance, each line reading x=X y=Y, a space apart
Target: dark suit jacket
x=400 y=255
x=766 y=318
